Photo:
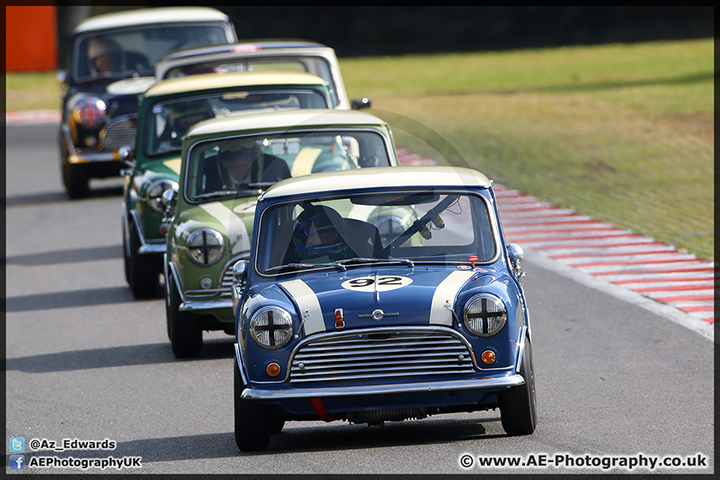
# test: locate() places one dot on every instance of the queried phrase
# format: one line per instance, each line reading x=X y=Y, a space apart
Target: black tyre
x=518 y=410
x=277 y=425
x=140 y=270
x=76 y=181
x=253 y=420
x=126 y=260
x=184 y=328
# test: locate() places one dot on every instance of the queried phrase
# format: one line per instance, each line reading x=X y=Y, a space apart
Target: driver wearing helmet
x=242 y=162
x=318 y=235
x=104 y=56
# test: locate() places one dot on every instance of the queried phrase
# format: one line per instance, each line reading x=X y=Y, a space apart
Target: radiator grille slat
x=118 y=134
x=380 y=356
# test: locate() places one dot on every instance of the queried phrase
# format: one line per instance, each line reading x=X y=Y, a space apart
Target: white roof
x=364 y=178
x=144 y=16
x=284 y=119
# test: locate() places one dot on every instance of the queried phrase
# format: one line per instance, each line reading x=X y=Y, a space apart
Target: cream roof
x=207 y=81
x=150 y=15
x=401 y=177
x=283 y=119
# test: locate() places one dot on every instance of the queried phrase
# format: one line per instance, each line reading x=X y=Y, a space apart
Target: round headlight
x=271 y=327
x=155 y=192
x=390 y=228
x=89 y=112
x=485 y=314
x=205 y=246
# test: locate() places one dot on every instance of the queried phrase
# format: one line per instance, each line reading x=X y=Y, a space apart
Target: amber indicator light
x=273 y=369
x=488 y=356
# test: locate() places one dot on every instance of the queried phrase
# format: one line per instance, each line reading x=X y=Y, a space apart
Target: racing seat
x=363 y=238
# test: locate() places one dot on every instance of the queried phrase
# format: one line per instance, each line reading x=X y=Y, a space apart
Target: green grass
x=32 y=91
x=624 y=133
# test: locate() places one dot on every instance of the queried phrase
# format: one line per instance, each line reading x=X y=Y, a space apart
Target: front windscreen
x=122 y=53
x=403 y=226
x=243 y=166
x=314 y=65
x=166 y=122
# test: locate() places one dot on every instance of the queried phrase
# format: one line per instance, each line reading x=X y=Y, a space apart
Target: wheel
x=75 y=181
x=140 y=271
x=184 y=328
x=518 y=412
x=253 y=420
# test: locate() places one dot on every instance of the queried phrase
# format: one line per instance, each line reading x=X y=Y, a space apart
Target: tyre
x=518 y=412
x=140 y=270
x=277 y=425
x=253 y=420
x=76 y=181
x=126 y=259
x=184 y=328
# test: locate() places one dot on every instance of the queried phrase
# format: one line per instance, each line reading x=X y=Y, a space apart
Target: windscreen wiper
x=219 y=193
x=359 y=260
x=252 y=188
x=293 y=266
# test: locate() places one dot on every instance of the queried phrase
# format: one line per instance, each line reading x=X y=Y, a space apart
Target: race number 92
x=380 y=283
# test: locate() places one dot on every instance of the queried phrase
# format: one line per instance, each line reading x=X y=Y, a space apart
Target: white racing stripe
x=445 y=294
x=237 y=233
x=308 y=303
x=173 y=165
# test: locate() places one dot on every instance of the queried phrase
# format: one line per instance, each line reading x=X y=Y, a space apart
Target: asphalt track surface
x=616 y=378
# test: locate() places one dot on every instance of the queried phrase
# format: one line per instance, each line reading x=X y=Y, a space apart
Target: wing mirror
x=240 y=270
x=360 y=103
x=516 y=254
x=126 y=154
x=169 y=200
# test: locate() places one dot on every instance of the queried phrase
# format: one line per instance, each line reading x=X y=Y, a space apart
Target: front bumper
x=153 y=249
x=420 y=387
x=497 y=380
x=205 y=305
x=78 y=158
x=214 y=301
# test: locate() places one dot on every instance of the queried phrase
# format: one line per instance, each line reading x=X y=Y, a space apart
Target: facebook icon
x=17 y=462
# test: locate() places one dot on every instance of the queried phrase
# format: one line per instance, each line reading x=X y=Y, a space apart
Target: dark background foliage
x=396 y=30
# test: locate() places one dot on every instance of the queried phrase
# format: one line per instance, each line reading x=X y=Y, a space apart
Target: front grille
x=118 y=134
x=226 y=279
x=381 y=354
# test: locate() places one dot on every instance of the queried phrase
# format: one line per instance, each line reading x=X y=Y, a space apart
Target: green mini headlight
x=205 y=246
x=271 y=327
x=485 y=314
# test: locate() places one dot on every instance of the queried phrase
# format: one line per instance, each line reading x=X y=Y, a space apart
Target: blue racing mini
x=380 y=294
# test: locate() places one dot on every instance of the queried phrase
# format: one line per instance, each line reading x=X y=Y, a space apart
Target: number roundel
x=381 y=283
